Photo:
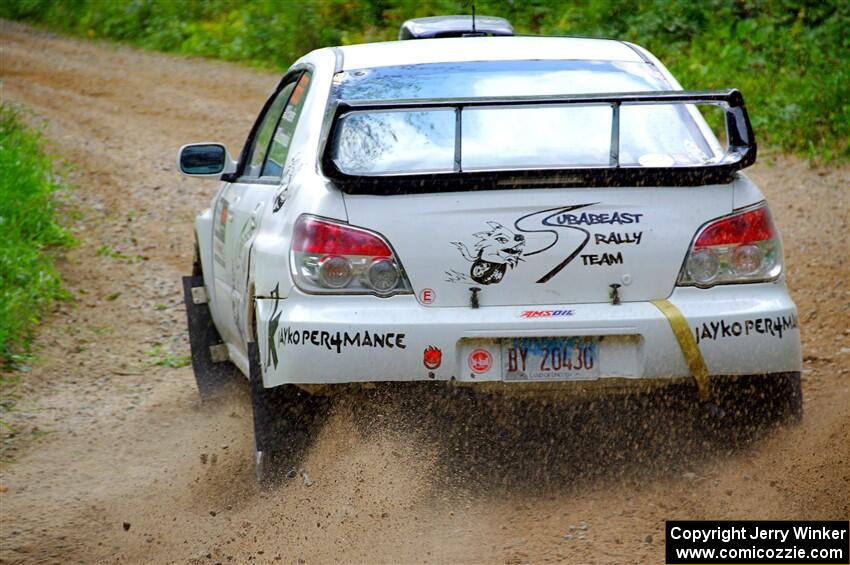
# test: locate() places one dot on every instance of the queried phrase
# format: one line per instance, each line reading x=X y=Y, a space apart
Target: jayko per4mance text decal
x=722 y=329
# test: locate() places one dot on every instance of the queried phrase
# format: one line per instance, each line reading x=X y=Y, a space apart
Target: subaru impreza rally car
x=505 y=211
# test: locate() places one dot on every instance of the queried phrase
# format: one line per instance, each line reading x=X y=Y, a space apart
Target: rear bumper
x=740 y=330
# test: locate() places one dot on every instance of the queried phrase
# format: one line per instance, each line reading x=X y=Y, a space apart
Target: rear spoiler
x=741 y=151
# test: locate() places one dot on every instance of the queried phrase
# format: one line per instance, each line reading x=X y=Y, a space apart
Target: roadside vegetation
x=787 y=56
x=29 y=235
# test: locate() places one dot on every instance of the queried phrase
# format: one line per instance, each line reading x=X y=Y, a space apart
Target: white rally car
x=517 y=211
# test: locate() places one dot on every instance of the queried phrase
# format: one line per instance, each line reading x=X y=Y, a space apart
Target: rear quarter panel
x=302 y=190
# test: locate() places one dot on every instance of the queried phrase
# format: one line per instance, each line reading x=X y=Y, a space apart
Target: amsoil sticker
x=480 y=361
x=546 y=313
x=432 y=357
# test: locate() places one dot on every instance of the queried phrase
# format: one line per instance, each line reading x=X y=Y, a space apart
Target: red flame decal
x=432 y=357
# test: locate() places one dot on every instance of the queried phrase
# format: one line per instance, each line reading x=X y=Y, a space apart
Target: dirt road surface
x=109 y=437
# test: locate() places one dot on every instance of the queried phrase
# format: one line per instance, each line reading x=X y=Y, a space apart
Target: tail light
x=743 y=247
x=334 y=258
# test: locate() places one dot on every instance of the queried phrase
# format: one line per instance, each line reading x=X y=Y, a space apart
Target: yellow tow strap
x=687 y=344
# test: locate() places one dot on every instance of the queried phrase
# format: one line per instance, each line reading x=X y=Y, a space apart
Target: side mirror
x=205 y=160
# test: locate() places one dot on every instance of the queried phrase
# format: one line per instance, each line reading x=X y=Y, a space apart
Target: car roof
x=455 y=26
x=458 y=49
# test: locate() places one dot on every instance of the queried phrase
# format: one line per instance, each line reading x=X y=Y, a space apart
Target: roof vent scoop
x=454 y=26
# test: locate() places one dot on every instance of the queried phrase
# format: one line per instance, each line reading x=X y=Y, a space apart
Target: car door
x=258 y=184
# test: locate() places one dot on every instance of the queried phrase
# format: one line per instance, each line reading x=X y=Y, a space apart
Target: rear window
x=496 y=78
x=498 y=138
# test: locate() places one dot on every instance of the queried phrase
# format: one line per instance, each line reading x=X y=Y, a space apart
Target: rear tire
x=286 y=419
x=197 y=268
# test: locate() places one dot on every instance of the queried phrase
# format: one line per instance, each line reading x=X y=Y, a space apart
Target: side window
x=264 y=133
x=279 y=147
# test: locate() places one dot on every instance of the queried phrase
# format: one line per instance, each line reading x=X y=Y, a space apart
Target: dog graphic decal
x=500 y=248
x=491 y=255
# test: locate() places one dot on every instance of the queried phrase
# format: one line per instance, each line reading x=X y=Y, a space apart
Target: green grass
x=161 y=357
x=29 y=233
x=789 y=57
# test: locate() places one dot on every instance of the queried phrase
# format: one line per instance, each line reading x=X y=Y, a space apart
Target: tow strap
x=687 y=344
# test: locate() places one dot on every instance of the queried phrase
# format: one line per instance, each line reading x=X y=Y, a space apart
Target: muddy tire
x=212 y=377
x=286 y=419
x=197 y=268
x=744 y=405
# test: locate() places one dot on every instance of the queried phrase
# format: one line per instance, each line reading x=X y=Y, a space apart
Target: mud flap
x=211 y=377
x=286 y=420
x=263 y=414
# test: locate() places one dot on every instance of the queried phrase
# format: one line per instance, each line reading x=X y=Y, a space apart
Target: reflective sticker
x=298 y=92
x=289 y=114
x=282 y=138
x=220 y=231
x=480 y=361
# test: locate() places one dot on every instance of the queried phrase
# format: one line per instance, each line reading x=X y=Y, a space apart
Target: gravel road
x=115 y=460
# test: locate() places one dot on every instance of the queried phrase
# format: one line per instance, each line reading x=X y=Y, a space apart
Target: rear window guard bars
x=741 y=150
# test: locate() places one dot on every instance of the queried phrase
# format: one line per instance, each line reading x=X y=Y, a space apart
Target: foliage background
x=29 y=281
x=789 y=57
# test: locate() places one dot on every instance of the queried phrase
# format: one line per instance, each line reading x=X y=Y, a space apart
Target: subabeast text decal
x=337 y=341
x=496 y=250
x=549 y=218
x=588 y=219
x=721 y=329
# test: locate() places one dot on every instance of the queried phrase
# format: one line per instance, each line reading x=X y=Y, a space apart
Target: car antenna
x=473 y=16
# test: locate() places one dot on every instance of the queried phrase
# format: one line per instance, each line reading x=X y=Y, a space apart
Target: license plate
x=550 y=358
